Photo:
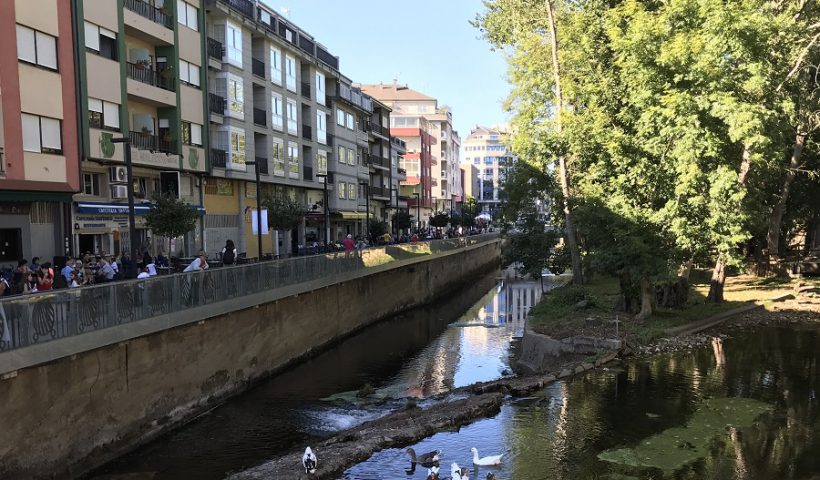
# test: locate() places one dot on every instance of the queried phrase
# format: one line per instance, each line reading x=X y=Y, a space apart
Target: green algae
x=679 y=446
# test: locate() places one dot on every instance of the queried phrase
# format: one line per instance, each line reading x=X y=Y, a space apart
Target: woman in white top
x=199 y=263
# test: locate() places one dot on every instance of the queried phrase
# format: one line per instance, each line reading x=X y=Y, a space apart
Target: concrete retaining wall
x=62 y=418
x=541 y=354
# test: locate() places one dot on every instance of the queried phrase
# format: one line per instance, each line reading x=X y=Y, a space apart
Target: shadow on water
x=560 y=433
x=413 y=354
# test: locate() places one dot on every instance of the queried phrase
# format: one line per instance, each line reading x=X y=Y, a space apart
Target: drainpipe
x=68 y=230
x=202 y=217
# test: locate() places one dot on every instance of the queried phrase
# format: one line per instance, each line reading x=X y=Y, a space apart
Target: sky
x=427 y=44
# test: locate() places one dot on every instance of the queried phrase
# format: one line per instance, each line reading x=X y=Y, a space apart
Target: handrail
x=35 y=319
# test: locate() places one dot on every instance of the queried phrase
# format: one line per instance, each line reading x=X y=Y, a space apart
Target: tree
x=284 y=213
x=170 y=217
x=376 y=227
x=469 y=210
x=402 y=219
x=439 y=220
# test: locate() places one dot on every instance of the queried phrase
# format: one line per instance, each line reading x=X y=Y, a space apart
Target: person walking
x=348 y=243
x=229 y=253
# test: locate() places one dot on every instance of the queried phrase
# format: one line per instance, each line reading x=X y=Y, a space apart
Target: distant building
x=486 y=159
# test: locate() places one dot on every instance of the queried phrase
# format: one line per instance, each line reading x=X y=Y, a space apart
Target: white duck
x=457 y=473
x=432 y=473
x=309 y=461
x=488 y=460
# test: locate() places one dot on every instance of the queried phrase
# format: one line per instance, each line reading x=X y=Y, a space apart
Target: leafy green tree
x=402 y=219
x=440 y=219
x=284 y=213
x=469 y=210
x=170 y=217
x=376 y=227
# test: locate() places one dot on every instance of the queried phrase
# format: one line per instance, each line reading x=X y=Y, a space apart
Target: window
x=290 y=73
x=352 y=192
x=278 y=156
x=342 y=153
x=192 y=134
x=342 y=188
x=321 y=127
x=91 y=184
x=477 y=160
x=321 y=162
x=188 y=73
x=236 y=97
x=349 y=121
x=340 y=118
x=100 y=41
x=488 y=172
x=292 y=117
x=103 y=114
x=36 y=47
x=236 y=156
x=41 y=134
x=488 y=160
x=276 y=111
x=351 y=156
x=140 y=187
x=188 y=15
x=233 y=44
x=320 y=88
x=276 y=66
x=293 y=160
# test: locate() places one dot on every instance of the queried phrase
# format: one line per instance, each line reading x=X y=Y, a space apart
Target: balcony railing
x=143 y=73
x=401 y=171
x=379 y=192
x=307 y=173
x=377 y=160
x=148 y=141
x=377 y=129
x=258 y=67
x=262 y=165
x=219 y=158
x=217 y=104
x=215 y=49
x=150 y=12
x=307 y=132
x=260 y=117
x=244 y=7
x=306 y=90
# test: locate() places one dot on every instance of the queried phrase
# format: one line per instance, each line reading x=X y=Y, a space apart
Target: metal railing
x=379 y=192
x=215 y=49
x=150 y=12
x=142 y=72
x=262 y=164
x=219 y=158
x=217 y=104
x=260 y=117
x=38 y=318
x=306 y=90
x=258 y=67
x=377 y=129
x=244 y=7
x=307 y=132
x=148 y=141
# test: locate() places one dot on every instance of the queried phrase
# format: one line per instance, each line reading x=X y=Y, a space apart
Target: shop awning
x=353 y=215
x=119 y=208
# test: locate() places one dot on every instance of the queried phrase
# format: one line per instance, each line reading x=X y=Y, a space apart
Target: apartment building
x=39 y=159
x=383 y=157
x=141 y=77
x=409 y=123
x=447 y=191
x=486 y=158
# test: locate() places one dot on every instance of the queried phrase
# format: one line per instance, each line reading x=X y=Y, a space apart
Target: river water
x=659 y=417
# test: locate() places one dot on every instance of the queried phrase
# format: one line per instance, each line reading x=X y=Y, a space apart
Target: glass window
x=293 y=160
x=233 y=44
x=189 y=73
x=278 y=156
x=91 y=184
x=236 y=97
x=191 y=134
x=321 y=127
x=320 y=88
x=342 y=187
x=352 y=192
x=342 y=153
x=103 y=114
x=236 y=157
x=292 y=117
x=276 y=66
x=349 y=121
x=321 y=162
x=340 y=118
x=276 y=111
x=31 y=132
x=36 y=47
x=351 y=156
x=187 y=15
x=41 y=134
x=290 y=73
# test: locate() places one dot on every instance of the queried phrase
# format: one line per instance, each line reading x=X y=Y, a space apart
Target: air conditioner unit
x=119 y=191
x=117 y=175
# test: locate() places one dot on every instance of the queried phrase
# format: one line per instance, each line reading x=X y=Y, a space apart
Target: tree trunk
x=685 y=270
x=773 y=238
x=572 y=242
x=647 y=300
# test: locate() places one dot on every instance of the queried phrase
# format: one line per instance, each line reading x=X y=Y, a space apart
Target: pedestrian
x=35 y=264
x=45 y=277
x=24 y=285
x=68 y=270
x=229 y=253
x=73 y=283
x=348 y=243
x=106 y=271
x=152 y=269
x=143 y=273
x=162 y=260
x=146 y=258
x=199 y=263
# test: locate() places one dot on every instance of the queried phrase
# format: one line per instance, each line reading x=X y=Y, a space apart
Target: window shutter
x=31 y=132
x=111 y=115
x=92 y=36
x=51 y=133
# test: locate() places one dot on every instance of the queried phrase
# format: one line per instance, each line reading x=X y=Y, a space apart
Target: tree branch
x=799 y=62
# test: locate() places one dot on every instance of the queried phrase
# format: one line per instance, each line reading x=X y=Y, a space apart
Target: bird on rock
x=309 y=461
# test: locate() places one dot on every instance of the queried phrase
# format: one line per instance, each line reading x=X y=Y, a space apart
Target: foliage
x=469 y=210
x=284 y=213
x=403 y=219
x=170 y=217
x=376 y=228
x=439 y=219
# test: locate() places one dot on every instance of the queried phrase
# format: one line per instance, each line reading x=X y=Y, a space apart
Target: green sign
x=106 y=145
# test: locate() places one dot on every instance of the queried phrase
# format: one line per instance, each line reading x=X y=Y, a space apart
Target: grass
x=590 y=309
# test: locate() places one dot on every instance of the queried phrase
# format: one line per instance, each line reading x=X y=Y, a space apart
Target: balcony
x=219 y=158
x=143 y=73
x=377 y=129
x=260 y=117
x=307 y=132
x=401 y=171
x=308 y=173
x=306 y=90
x=215 y=49
x=217 y=104
x=329 y=140
x=380 y=192
x=378 y=161
x=150 y=12
x=245 y=7
x=148 y=141
x=258 y=67
x=262 y=165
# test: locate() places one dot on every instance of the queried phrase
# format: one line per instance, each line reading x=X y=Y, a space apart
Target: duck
x=428 y=459
x=309 y=461
x=459 y=473
x=488 y=460
x=491 y=476
x=432 y=473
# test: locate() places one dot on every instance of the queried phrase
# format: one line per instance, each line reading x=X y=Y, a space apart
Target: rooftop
x=394 y=92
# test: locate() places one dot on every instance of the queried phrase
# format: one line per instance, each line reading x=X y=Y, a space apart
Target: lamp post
x=132 y=224
x=418 y=212
x=258 y=210
x=326 y=229
x=367 y=206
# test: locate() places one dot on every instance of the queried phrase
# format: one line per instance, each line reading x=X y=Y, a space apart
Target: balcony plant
x=142 y=64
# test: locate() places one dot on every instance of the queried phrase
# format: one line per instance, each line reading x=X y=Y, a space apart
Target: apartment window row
x=189 y=74
x=344 y=119
x=42 y=134
x=36 y=47
x=188 y=15
x=100 y=41
x=348 y=191
x=346 y=155
x=191 y=134
x=105 y=115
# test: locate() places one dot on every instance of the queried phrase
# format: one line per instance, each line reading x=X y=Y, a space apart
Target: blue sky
x=427 y=44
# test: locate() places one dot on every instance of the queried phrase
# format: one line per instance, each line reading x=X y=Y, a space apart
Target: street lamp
x=258 y=209
x=418 y=212
x=132 y=224
x=367 y=206
x=326 y=229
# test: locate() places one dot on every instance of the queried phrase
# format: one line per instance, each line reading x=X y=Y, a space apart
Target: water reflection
x=559 y=434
